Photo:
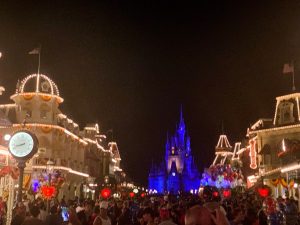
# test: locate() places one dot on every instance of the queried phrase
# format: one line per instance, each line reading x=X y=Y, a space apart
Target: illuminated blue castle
x=178 y=173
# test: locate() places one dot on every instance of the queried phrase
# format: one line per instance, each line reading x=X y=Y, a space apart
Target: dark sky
x=129 y=66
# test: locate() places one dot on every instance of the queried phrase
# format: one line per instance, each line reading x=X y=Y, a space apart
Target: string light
x=53 y=86
x=68 y=169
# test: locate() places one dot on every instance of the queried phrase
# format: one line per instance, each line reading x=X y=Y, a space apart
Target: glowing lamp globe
x=131 y=194
x=105 y=193
x=226 y=193
x=48 y=191
x=263 y=192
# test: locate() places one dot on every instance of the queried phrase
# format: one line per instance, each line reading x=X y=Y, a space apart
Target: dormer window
x=286 y=113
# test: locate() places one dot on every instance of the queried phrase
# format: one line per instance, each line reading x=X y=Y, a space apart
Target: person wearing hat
x=102 y=218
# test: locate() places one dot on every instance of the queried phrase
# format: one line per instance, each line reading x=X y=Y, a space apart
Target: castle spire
x=181 y=127
x=181 y=114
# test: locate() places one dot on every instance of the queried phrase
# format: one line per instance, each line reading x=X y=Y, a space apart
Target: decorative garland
x=46 y=129
x=46 y=98
x=283 y=182
x=28 y=96
x=275 y=182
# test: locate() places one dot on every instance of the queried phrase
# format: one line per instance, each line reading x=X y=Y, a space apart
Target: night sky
x=129 y=66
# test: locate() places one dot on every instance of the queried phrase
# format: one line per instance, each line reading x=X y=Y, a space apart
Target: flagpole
x=294 y=87
x=38 y=74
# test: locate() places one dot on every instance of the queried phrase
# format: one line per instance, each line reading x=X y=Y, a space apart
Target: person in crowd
x=73 y=219
x=139 y=218
x=125 y=217
x=199 y=215
x=33 y=218
x=80 y=212
x=291 y=212
x=102 y=218
x=53 y=218
x=63 y=201
x=95 y=213
x=26 y=203
x=148 y=216
x=43 y=212
x=88 y=211
x=114 y=213
x=20 y=214
x=164 y=214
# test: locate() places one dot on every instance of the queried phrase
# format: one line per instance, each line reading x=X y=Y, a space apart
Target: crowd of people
x=209 y=208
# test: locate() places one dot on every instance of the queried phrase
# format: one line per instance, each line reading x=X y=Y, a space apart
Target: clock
x=23 y=144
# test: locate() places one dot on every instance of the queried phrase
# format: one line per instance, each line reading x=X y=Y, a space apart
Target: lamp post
x=49 y=169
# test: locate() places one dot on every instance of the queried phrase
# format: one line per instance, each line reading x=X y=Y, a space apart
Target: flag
x=35 y=51
x=288 y=68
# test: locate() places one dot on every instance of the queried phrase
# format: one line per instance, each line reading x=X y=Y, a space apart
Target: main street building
x=80 y=160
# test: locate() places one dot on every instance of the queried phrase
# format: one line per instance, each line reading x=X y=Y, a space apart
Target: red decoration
x=105 y=193
x=215 y=194
x=143 y=195
x=12 y=171
x=131 y=194
x=226 y=193
x=263 y=192
x=48 y=191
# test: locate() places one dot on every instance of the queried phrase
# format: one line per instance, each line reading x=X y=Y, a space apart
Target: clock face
x=21 y=144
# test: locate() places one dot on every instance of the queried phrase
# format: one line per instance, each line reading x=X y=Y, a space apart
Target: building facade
x=82 y=160
x=178 y=173
x=274 y=146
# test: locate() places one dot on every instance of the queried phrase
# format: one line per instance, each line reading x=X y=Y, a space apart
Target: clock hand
x=20 y=144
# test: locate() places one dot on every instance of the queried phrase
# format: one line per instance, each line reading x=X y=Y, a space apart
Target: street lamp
x=49 y=169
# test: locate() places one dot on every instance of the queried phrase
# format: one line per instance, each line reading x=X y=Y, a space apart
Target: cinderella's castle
x=178 y=173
